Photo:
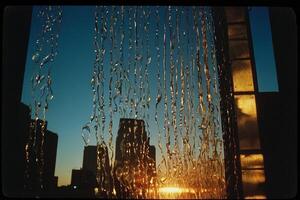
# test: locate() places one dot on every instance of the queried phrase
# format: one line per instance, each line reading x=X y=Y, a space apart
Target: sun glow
x=172 y=192
x=175 y=190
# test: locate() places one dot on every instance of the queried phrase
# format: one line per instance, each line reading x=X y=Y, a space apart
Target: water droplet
x=92 y=118
x=86 y=134
x=158 y=99
x=149 y=60
x=163 y=179
x=36 y=57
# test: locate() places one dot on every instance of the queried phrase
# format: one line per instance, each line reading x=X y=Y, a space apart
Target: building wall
x=90 y=159
x=75 y=178
x=276 y=113
x=282 y=144
x=50 y=150
x=16 y=26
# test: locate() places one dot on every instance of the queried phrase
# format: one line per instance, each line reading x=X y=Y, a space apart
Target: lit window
x=234 y=14
x=242 y=76
x=252 y=161
x=256 y=197
x=253 y=182
x=238 y=49
x=237 y=31
x=247 y=122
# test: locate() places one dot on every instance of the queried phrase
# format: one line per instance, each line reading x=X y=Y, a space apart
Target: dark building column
x=282 y=143
x=230 y=135
x=16 y=29
x=50 y=149
x=90 y=159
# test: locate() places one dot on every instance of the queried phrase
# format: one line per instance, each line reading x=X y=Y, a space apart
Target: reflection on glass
x=253 y=176
x=242 y=75
x=238 y=49
x=252 y=161
x=247 y=122
x=235 y=14
x=237 y=31
x=256 y=197
x=253 y=182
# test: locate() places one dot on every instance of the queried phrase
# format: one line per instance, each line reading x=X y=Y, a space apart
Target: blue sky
x=263 y=49
x=71 y=107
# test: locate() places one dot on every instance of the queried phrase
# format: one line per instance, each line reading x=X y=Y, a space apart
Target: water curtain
x=158 y=64
x=46 y=49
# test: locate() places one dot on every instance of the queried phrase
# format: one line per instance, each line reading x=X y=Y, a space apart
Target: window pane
x=263 y=49
x=253 y=182
x=235 y=14
x=252 y=161
x=237 y=31
x=247 y=122
x=242 y=75
x=238 y=49
x=260 y=196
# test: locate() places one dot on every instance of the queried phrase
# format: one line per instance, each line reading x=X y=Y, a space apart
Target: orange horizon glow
x=172 y=189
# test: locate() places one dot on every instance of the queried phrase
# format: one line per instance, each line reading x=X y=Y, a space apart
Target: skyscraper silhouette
x=90 y=159
x=84 y=179
x=31 y=171
x=132 y=151
x=50 y=149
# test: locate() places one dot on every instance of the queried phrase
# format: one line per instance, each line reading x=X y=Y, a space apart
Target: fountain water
x=178 y=69
x=46 y=49
x=186 y=107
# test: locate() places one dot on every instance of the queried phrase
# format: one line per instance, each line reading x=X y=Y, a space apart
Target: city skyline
x=254 y=48
x=73 y=97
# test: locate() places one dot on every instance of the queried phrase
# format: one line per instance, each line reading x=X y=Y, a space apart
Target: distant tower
x=50 y=150
x=132 y=151
x=76 y=178
x=89 y=167
x=49 y=157
x=86 y=178
x=32 y=182
x=90 y=159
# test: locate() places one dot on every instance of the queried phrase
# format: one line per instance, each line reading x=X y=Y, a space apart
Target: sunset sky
x=72 y=104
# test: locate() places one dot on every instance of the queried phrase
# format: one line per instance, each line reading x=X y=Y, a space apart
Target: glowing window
x=238 y=49
x=256 y=197
x=237 y=31
x=242 y=75
x=235 y=14
x=253 y=182
x=252 y=161
x=247 y=122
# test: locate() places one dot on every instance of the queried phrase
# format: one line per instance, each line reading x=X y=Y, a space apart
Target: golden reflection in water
x=242 y=76
x=173 y=192
x=252 y=161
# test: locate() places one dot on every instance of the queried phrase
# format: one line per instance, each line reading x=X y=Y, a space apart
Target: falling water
x=46 y=49
x=182 y=62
